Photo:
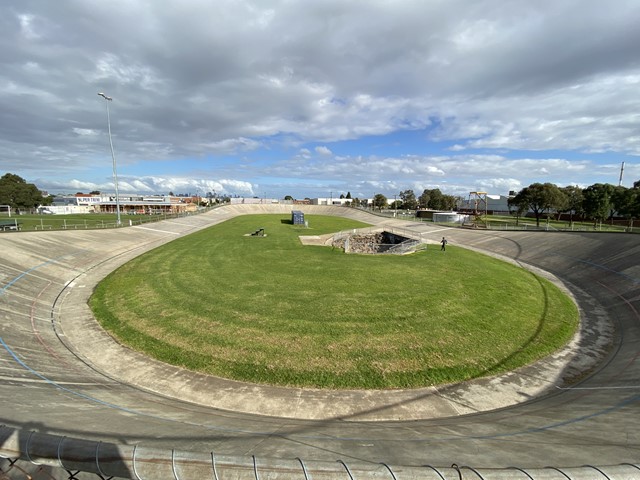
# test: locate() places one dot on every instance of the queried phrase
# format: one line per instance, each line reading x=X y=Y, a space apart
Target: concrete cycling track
x=56 y=378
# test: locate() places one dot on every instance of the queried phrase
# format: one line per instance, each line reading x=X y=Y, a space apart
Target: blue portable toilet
x=297 y=217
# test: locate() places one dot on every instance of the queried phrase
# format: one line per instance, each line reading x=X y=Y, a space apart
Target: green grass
x=78 y=221
x=510 y=222
x=270 y=310
x=72 y=221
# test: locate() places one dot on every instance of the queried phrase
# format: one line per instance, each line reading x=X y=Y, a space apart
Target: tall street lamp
x=113 y=158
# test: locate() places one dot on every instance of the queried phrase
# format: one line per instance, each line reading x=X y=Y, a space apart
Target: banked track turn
x=588 y=430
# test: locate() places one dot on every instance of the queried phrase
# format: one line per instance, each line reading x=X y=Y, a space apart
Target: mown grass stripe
x=270 y=310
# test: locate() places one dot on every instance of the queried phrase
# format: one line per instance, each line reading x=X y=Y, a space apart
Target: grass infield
x=270 y=310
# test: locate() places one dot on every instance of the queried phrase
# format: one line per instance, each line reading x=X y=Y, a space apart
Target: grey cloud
x=200 y=79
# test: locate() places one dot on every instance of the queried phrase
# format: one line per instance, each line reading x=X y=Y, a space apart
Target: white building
x=129 y=204
x=338 y=202
x=482 y=201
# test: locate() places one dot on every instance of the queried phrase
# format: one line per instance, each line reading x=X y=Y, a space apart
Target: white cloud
x=265 y=93
x=323 y=150
x=501 y=185
x=304 y=153
x=84 y=131
x=187 y=185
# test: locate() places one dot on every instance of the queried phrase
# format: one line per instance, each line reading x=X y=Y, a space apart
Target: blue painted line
x=27 y=272
x=58 y=386
x=624 y=403
x=118 y=407
x=78 y=394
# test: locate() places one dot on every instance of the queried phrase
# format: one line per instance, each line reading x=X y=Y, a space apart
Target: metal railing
x=36 y=455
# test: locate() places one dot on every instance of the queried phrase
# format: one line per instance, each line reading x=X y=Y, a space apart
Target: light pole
x=113 y=158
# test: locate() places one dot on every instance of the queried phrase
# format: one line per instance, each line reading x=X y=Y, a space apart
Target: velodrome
x=64 y=378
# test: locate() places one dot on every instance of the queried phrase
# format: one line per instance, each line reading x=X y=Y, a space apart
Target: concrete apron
x=93 y=345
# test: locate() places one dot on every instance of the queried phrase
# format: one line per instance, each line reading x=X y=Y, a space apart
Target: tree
x=379 y=201
x=423 y=199
x=597 y=201
x=17 y=193
x=348 y=195
x=432 y=199
x=573 y=201
x=409 y=200
x=449 y=202
x=627 y=203
x=634 y=207
x=435 y=199
x=518 y=206
x=288 y=197
x=540 y=198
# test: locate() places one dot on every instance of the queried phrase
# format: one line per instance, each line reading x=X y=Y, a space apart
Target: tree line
x=407 y=200
x=598 y=202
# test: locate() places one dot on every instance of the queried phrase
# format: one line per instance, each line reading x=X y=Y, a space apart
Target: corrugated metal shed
x=450 y=217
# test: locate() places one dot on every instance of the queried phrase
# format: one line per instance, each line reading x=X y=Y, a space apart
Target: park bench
x=9 y=225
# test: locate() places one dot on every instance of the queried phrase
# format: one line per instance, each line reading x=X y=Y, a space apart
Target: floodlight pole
x=113 y=158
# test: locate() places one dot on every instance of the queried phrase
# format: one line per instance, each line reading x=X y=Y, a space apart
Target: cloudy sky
x=313 y=98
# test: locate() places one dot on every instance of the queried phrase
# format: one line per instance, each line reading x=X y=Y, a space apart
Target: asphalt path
x=50 y=383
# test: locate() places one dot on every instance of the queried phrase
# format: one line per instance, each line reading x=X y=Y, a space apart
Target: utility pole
x=113 y=158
